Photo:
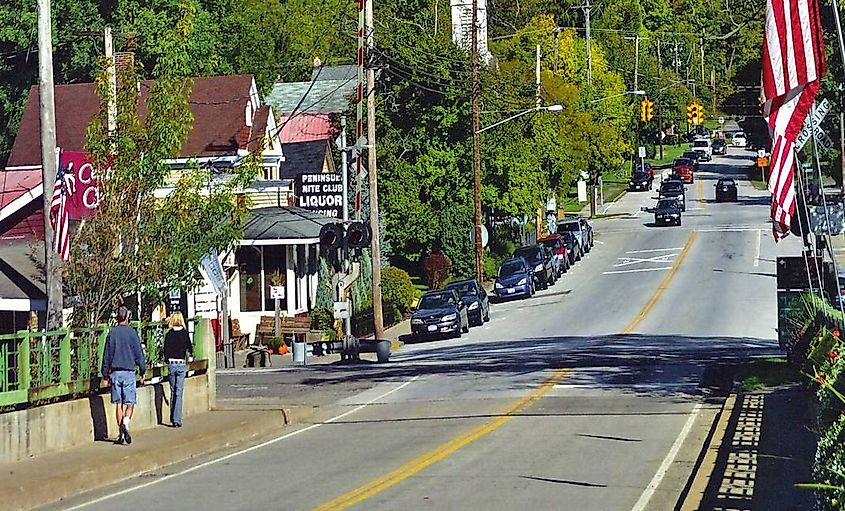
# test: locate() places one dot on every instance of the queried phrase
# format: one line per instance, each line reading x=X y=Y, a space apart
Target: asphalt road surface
x=593 y=395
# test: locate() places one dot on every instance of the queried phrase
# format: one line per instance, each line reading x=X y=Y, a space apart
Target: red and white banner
x=793 y=64
x=83 y=191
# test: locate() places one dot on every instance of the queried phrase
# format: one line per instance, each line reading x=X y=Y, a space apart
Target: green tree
x=137 y=242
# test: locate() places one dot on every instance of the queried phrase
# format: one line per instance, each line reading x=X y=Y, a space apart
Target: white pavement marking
x=757 y=253
x=600 y=242
x=607 y=208
x=244 y=451
x=654 y=250
x=635 y=271
x=667 y=461
x=628 y=261
x=732 y=229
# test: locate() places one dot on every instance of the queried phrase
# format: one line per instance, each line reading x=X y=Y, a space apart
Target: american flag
x=59 y=219
x=793 y=64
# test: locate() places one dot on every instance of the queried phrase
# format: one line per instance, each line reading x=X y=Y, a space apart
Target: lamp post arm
x=520 y=114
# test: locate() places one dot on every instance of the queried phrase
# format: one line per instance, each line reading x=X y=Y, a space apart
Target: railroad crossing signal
x=695 y=114
x=646 y=110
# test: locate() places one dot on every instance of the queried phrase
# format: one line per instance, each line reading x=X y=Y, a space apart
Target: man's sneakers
x=124 y=434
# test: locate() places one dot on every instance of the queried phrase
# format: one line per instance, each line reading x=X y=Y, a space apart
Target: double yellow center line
x=438 y=453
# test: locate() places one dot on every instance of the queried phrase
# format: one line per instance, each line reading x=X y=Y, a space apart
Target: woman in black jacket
x=177 y=343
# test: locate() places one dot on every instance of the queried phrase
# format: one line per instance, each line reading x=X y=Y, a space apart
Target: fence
x=38 y=366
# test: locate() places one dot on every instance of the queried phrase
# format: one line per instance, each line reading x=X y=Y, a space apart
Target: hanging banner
x=85 y=197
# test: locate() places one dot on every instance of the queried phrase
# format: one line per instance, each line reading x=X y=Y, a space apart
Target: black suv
x=540 y=261
x=720 y=146
x=672 y=188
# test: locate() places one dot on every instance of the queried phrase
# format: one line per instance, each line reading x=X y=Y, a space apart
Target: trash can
x=299 y=352
x=383 y=350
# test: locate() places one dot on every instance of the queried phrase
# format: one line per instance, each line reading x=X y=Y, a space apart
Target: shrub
x=436 y=268
x=322 y=319
x=397 y=289
x=491 y=265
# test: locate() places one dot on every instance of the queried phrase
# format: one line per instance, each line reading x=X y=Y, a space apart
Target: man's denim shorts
x=123 y=387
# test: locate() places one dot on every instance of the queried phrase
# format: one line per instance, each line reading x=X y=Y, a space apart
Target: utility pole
x=660 y=100
x=713 y=90
x=589 y=49
x=476 y=145
x=701 y=52
x=537 y=79
x=677 y=59
x=590 y=171
x=637 y=62
x=378 y=313
x=111 y=72
x=49 y=162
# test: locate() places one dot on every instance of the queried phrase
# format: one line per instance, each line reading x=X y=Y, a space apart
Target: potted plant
x=276 y=344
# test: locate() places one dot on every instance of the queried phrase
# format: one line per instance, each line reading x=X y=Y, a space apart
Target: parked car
x=694 y=157
x=667 y=211
x=739 y=140
x=673 y=188
x=573 y=249
x=720 y=146
x=514 y=278
x=541 y=263
x=475 y=298
x=702 y=147
x=439 y=313
x=641 y=178
x=726 y=190
x=555 y=243
x=582 y=231
x=683 y=169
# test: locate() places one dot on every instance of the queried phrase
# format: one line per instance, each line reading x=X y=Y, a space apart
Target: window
x=275 y=260
x=249 y=269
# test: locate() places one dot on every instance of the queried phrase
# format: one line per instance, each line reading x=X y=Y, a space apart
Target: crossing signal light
x=357 y=235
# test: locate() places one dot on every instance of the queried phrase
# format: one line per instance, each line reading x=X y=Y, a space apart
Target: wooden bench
x=238 y=339
x=294 y=326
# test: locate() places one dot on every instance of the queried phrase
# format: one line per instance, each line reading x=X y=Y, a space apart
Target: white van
x=703 y=148
x=739 y=140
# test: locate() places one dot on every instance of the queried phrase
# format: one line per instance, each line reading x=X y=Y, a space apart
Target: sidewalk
x=761 y=446
x=43 y=480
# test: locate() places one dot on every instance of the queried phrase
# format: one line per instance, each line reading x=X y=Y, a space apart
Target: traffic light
x=331 y=236
x=700 y=114
x=695 y=114
x=691 y=113
x=649 y=110
x=760 y=104
x=358 y=235
x=643 y=110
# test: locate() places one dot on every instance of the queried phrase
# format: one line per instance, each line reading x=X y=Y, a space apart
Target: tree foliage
x=138 y=242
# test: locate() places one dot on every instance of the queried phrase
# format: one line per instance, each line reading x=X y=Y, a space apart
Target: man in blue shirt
x=122 y=353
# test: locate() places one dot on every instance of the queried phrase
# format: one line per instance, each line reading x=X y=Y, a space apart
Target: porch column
x=290 y=279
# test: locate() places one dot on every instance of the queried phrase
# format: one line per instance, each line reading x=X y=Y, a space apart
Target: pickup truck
x=582 y=231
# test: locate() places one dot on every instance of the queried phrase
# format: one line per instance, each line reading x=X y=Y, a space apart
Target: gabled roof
x=22 y=282
x=341 y=72
x=220 y=106
x=304 y=158
x=283 y=226
x=306 y=127
x=323 y=96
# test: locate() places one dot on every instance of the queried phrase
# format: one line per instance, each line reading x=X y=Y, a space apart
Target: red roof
x=218 y=103
x=306 y=128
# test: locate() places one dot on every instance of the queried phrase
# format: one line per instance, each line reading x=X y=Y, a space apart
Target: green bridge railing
x=37 y=367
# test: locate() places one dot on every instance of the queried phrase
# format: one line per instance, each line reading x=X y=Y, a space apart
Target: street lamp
x=626 y=93
x=550 y=108
x=479 y=246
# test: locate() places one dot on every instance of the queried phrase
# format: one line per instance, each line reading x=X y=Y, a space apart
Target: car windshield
x=739 y=135
x=436 y=301
x=667 y=203
x=672 y=186
x=700 y=143
x=552 y=244
x=682 y=161
x=463 y=288
x=529 y=253
x=726 y=182
x=568 y=226
x=639 y=173
x=719 y=142
x=509 y=268
x=690 y=155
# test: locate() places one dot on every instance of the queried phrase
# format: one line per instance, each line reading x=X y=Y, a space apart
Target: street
x=592 y=395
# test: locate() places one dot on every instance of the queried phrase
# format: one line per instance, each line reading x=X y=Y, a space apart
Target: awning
x=283 y=226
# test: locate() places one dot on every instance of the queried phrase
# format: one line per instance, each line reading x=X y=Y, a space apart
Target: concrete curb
x=50 y=478
x=704 y=472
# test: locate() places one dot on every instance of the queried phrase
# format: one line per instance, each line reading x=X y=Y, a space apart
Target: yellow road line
x=662 y=287
x=442 y=451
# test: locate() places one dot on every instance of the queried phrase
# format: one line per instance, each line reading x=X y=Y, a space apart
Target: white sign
x=277 y=292
x=721 y=120
x=642 y=152
x=462 y=27
x=213 y=271
x=819 y=114
x=582 y=191
x=342 y=310
x=485 y=236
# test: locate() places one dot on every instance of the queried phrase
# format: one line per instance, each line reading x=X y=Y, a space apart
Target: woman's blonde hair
x=175 y=320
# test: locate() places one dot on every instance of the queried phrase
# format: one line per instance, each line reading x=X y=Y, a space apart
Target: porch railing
x=37 y=367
